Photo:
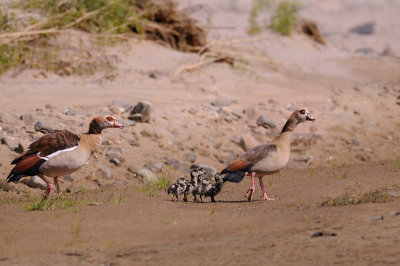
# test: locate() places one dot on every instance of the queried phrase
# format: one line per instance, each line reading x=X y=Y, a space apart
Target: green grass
x=51 y=203
x=284 y=19
x=257 y=6
x=340 y=176
x=163 y=182
x=375 y=196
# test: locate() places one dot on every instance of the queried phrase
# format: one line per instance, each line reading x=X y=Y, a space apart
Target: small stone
x=176 y=164
x=265 y=122
x=155 y=74
x=360 y=157
x=147 y=176
x=316 y=234
x=91 y=177
x=126 y=105
x=395 y=213
x=134 y=143
x=69 y=111
x=155 y=167
x=28 y=119
x=291 y=107
x=141 y=112
x=364 y=29
x=10 y=142
x=394 y=193
x=149 y=133
x=221 y=102
x=69 y=178
x=104 y=172
x=133 y=169
x=376 y=218
x=50 y=107
x=355 y=142
x=250 y=113
x=304 y=158
x=116 y=110
x=190 y=157
x=115 y=161
x=7 y=187
x=43 y=127
x=113 y=152
x=210 y=171
x=193 y=111
x=35 y=182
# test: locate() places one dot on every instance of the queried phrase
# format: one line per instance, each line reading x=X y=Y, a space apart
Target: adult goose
x=60 y=153
x=266 y=159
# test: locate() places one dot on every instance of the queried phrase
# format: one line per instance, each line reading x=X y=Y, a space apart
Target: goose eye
x=302 y=111
x=110 y=118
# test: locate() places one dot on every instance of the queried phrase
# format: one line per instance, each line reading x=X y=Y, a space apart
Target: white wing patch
x=55 y=153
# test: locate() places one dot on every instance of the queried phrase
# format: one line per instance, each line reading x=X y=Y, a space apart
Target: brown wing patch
x=258 y=153
x=237 y=165
x=26 y=163
x=58 y=140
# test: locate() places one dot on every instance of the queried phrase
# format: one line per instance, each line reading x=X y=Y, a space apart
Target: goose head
x=101 y=122
x=305 y=115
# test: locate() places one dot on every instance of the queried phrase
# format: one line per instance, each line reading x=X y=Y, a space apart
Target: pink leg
x=50 y=186
x=263 y=190
x=251 y=190
x=57 y=186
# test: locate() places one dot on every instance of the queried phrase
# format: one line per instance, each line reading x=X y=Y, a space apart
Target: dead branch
x=86 y=16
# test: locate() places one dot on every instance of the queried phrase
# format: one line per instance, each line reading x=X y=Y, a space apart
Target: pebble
x=7 y=187
x=222 y=102
x=176 y=164
x=190 y=157
x=155 y=74
x=115 y=161
x=364 y=29
x=355 y=142
x=28 y=119
x=69 y=178
x=395 y=213
x=250 y=113
x=291 y=107
x=394 y=193
x=147 y=176
x=376 y=218
x=91 y=177
x=126 y=105
x=134 y=143
x=69 y=111
x=141 y=112
x=316 y=234
x=114 y=152
x=10 y=142
x=35 y=182
x=210 y=171
x=265 y=122
x=104 y=172
x=304 y=158
x=43 y=127
x=155 y=167
x=150 y=133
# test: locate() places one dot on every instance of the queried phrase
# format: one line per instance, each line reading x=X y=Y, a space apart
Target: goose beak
x=310 y=118
x=118 y=125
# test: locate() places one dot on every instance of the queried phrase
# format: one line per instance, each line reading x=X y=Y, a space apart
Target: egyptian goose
x=177 y=188
x=60 y=153
x=266 y=159
x=192 y=184
x=215 y=188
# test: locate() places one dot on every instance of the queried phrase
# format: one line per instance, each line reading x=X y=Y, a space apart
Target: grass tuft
x=375 y=196
x=163 y=182
x=51 y=203
x=284 y=19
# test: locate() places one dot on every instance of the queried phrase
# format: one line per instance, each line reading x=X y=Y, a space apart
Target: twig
x=87 y=15
x=202 y=62
x=16 y=35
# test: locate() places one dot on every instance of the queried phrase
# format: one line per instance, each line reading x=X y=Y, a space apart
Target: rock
x=116 y=110
x=10 y=142
x=265 y=122
x=291 y=107
x=28 y=119
x=126 y=105
x=43 y=127
x=149 y=133
x=193 y=110
x=190 y=157
x=155 y=167
x=364 y=29
x=141 y=112
x=250 y=113
x=133 y=169
x=50 y=107
x=127 y=122
x=91 y=177
x=355 y=142
x=69 y=178
x=304 y=158
x=35 y=182
x=376 y=218
x=69 y=111
x=147 y=176
x=395 y=213
x=210 y=171
x=360 y=157
x=104 y=172
x=7 y=187
x=155 y=74
x=388 y=52
x=176 y=164
x=113 y=152
x=316 y=234
x=115 y=161
x=134 y=143
x=221 y=102
x=394 y=193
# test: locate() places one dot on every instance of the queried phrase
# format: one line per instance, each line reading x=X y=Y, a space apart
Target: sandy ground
x=351 y=90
